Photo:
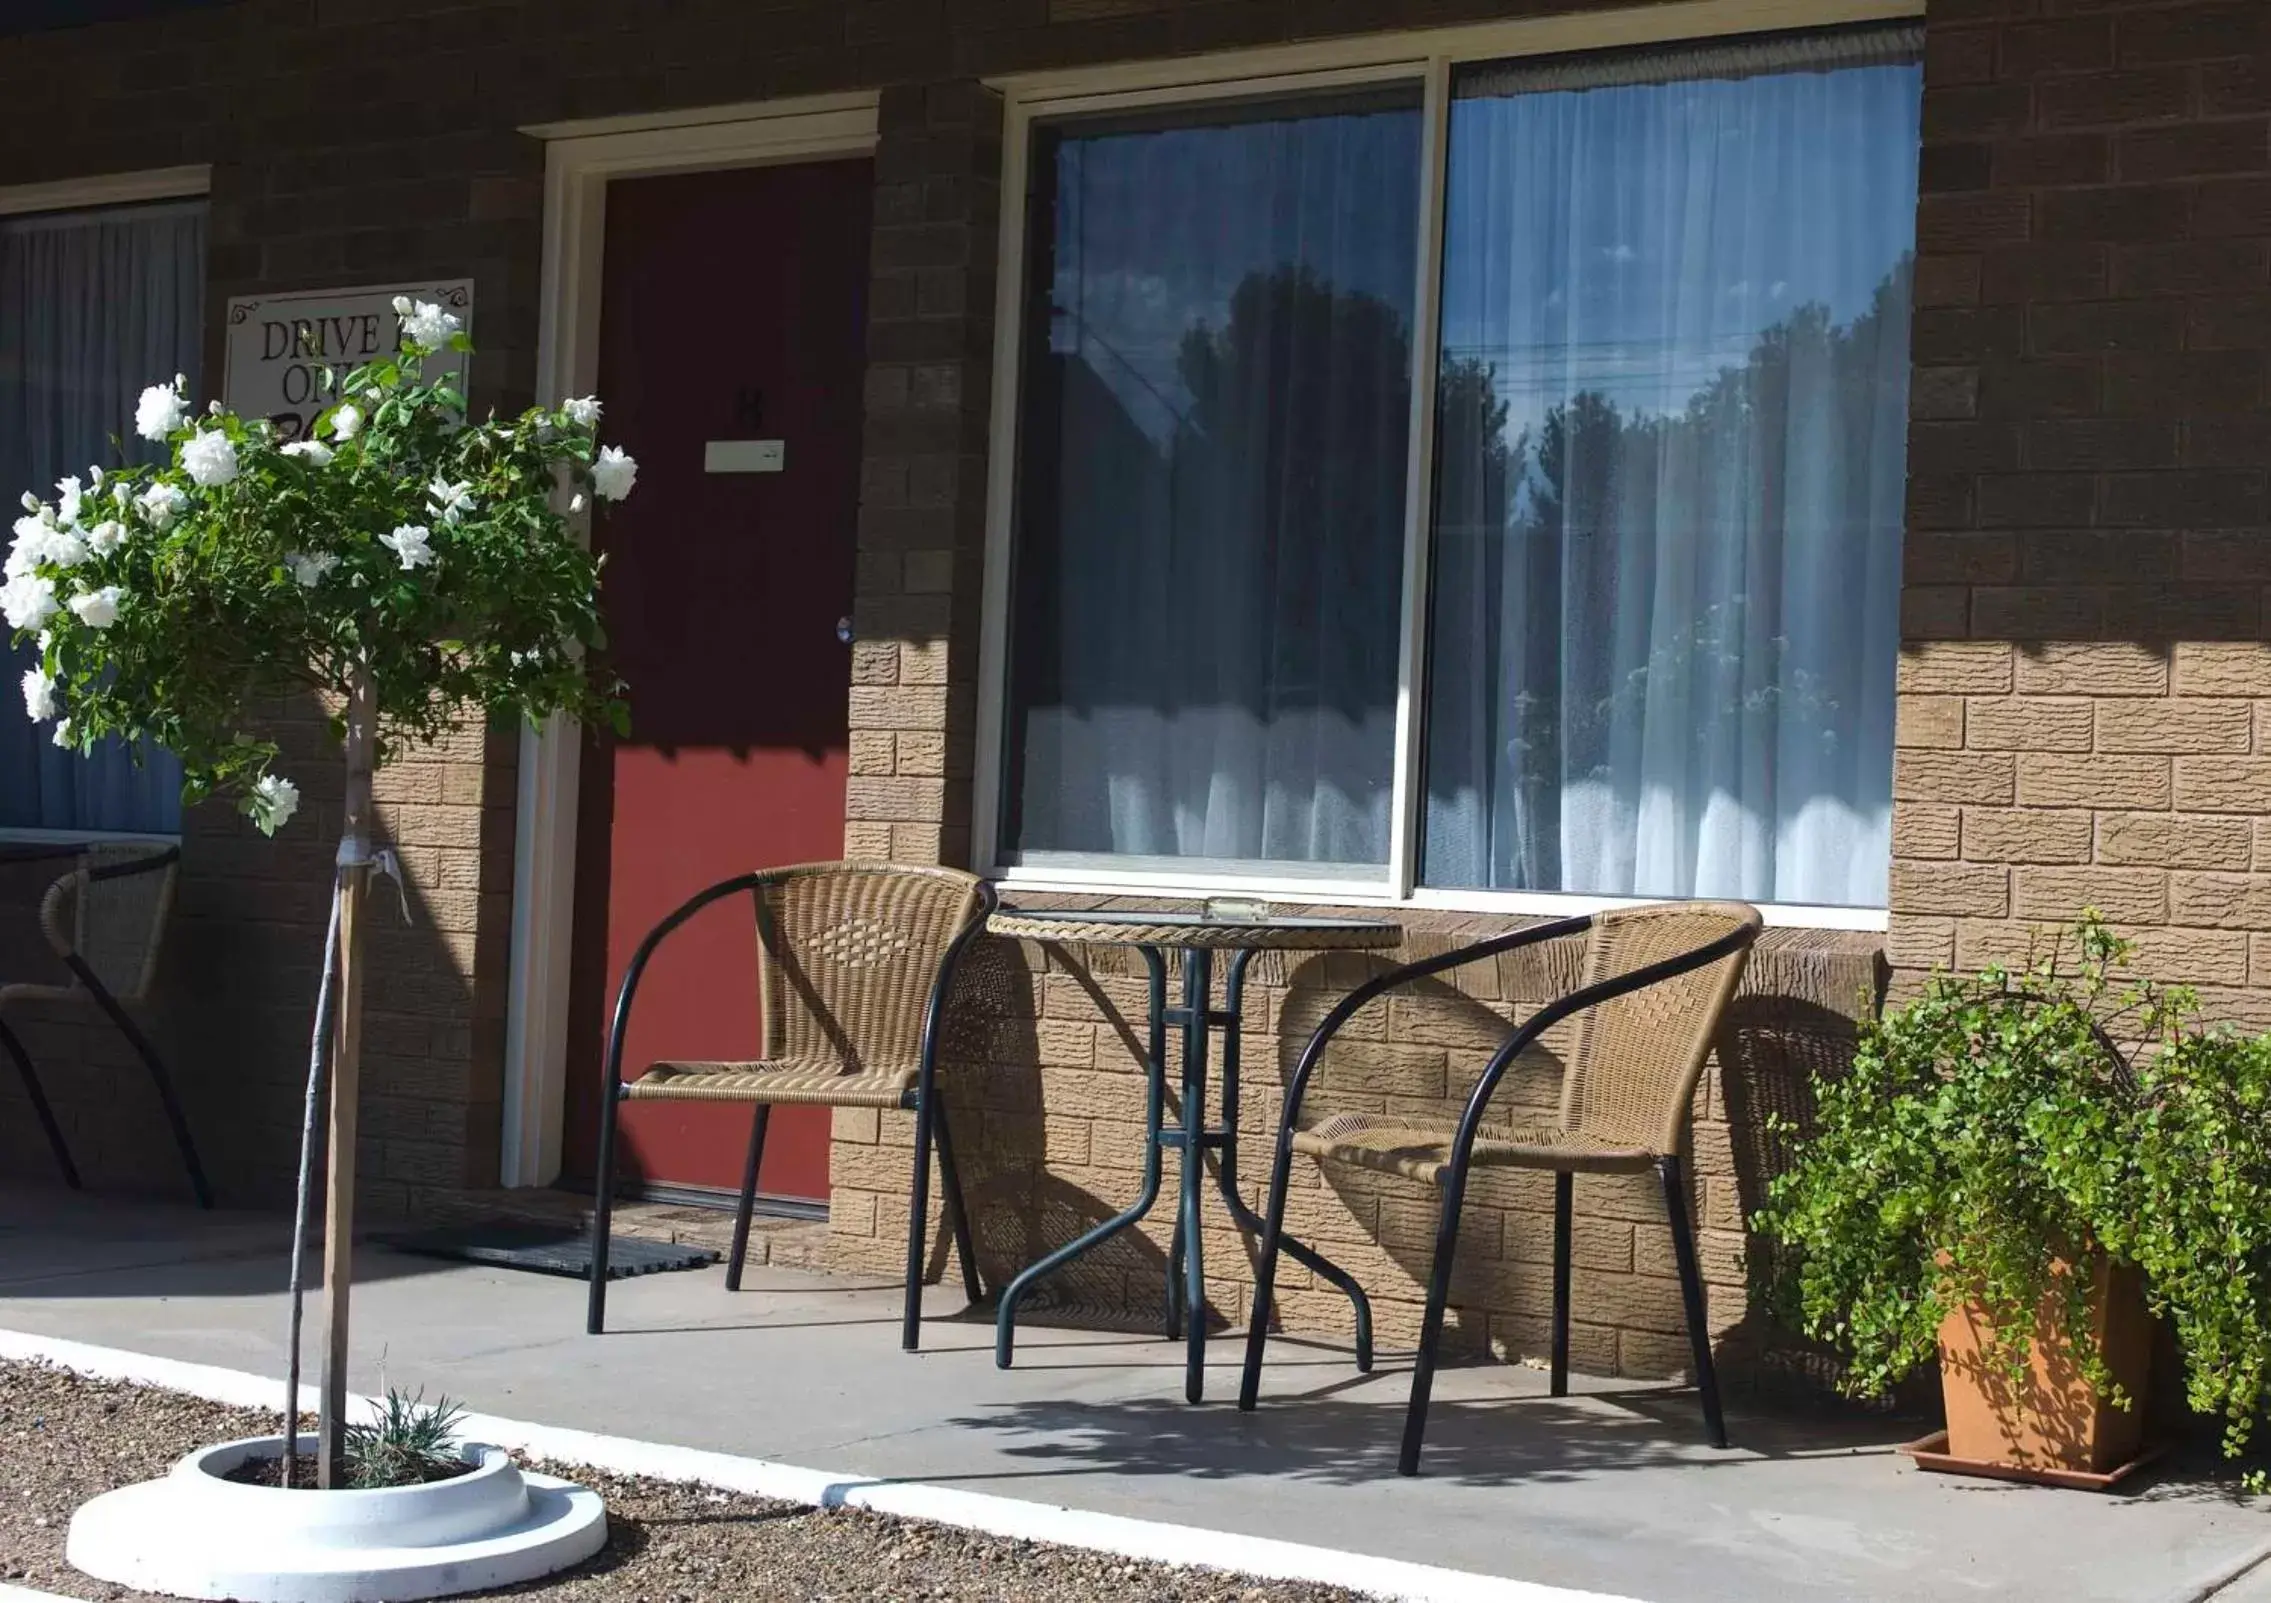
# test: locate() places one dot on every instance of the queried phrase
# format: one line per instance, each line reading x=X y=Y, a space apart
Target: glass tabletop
x=1131 y=926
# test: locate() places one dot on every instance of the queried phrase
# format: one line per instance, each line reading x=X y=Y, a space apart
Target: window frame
x=1427 y=60
x=102 y=192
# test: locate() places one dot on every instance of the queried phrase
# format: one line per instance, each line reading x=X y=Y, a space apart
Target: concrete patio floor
x=1610 y=1491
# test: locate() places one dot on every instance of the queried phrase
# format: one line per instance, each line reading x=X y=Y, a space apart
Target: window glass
x=1210 y=510
x=1671 y=434
x=93 y=307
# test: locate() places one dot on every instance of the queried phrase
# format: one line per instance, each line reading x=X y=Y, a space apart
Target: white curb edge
x=1153 y=1540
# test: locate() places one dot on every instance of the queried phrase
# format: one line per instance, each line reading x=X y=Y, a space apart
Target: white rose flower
x=402 y=305
x=27 y=601
x=30 y=501
x=39 y=695
x=95 y=476
x=428 y=325
x=274 y=800
x=576 y=502
x=613 y=473
x=345 y=422
x=121 y=494
x=68 y=500
x=106 y=537
x=314 y=452
x=449 y=502
x=158 y=413
x=63 y=734
x=210 y=458
x=309 y=570
x=38 y=541
x=161 y=503
x=584 y=414
x=97 y=609
x=412 y=542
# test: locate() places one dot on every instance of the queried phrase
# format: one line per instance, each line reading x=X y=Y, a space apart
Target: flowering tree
x=405 y=566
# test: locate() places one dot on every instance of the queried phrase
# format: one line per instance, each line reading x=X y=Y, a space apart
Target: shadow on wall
x=1048 y=1054
x=235 y=994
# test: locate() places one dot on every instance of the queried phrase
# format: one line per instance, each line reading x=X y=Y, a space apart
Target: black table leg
x=1155 y=1106
x=1233 y=1012
x=1196 y=1019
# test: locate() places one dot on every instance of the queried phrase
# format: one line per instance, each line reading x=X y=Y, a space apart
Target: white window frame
x=97 y=193
x=1424 y=59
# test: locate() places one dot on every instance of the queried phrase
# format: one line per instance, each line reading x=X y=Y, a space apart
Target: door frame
x=579 y=160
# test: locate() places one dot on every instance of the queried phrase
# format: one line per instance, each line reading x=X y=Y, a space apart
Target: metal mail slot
x=743 y=456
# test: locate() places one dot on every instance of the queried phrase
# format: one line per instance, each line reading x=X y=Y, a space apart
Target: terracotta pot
x=2055 y=1420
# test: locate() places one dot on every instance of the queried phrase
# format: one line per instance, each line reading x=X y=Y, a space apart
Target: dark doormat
x=549 y=1249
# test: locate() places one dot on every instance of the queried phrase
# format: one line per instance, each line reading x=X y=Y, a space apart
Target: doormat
x=549 y=1249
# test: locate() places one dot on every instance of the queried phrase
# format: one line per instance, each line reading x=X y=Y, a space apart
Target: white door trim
x=579 y=159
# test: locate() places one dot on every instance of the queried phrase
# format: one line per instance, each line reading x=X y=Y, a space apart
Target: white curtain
x=1672 y=427
x=93 y=307
x=1212 y=460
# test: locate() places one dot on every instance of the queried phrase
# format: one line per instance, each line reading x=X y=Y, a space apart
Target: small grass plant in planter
x=2019 y=1164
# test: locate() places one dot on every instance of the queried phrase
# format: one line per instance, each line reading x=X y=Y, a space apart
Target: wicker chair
x=106 y=919
x=1654 y=984
x=855 y=965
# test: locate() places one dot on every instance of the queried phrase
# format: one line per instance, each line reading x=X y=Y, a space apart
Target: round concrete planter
x=196 y=1534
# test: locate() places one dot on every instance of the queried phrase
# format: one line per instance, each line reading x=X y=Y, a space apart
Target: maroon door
x=733 y=312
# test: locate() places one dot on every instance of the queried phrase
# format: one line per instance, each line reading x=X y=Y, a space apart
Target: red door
x=733 y=312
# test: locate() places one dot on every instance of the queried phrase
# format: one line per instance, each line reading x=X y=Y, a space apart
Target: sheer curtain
x=93 y=306
x=1212 y=465
x=1672 y=435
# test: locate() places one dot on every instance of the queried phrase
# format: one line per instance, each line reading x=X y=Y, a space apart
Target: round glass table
x=1198 y=938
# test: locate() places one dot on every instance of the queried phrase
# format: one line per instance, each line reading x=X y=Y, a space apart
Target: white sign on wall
x=278 y=345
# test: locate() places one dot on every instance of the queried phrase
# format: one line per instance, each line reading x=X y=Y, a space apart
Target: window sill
x=86 y=837
x=1375 y=893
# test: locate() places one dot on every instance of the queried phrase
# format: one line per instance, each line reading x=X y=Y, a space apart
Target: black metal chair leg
x=158 y=1077
x=1265 y=1275
x=1431 y=1328
x=40 y=1109
x=602 y=1206
x=918 y=1227
x=1691 y=1293
x=757 y=1123
x=1175 y=1283
x=1563 y=1183
x=957 y=1206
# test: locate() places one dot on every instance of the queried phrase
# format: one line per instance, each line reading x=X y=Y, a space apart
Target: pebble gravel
x=64 y=1438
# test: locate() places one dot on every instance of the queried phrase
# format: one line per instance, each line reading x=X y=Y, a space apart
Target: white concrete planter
x=196 y=1534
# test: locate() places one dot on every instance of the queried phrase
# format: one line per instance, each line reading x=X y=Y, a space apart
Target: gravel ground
x=64 y=1438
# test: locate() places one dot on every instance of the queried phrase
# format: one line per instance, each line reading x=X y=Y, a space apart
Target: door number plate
x=743 y=456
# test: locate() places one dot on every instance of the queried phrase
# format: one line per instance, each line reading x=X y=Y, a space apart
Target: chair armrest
x=934 y=1011
x=1380 y=984
x=1590 y=996
x=58 y=911
x=654 y=938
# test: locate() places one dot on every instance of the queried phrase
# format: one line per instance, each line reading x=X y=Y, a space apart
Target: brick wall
x=2083 y=714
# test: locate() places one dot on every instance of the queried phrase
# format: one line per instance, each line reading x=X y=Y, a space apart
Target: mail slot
x=743 y=456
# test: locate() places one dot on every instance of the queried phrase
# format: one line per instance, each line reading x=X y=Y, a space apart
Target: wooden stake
x=346 y=1081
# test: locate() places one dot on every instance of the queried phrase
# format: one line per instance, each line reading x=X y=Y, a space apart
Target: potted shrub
x=408 y=568
x=1968 y=1193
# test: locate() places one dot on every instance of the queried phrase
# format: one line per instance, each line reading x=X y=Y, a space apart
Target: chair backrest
x=1635 y=1060
x=110 y=912
x=848 y=953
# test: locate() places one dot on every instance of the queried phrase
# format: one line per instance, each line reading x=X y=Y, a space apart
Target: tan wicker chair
x=106 y=920
x=1655 y=982
x=855 y=962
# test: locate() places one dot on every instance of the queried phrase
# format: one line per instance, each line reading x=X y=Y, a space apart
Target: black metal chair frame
x=135 y=1036
x=925 y=1100
x=1670 y=1170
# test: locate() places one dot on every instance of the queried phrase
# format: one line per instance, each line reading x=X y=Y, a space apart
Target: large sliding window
x=1667 y=397
x=94 y=305
x=1217 y=397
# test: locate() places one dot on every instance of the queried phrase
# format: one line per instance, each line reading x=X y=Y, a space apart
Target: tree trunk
x=339 y=1180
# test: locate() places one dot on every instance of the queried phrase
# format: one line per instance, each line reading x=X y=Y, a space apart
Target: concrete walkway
x=1609 y=1491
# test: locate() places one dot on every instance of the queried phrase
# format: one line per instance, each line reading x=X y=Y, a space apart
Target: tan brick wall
x=1047 y=1087
x=2083 y=714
